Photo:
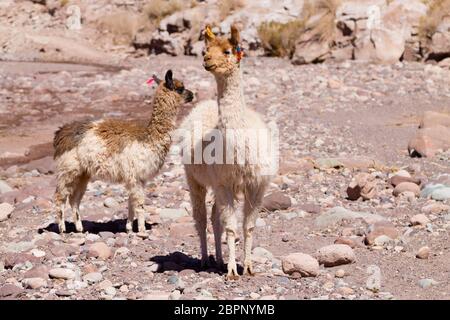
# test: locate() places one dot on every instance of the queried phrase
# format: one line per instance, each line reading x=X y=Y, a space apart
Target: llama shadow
x=115 y=226
x=178 y=261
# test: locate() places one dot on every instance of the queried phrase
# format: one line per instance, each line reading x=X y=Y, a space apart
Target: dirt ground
x=362 y=113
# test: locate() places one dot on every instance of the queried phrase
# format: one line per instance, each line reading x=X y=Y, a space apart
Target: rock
x=423 y=253
x=340 y=273
x=335 y=255
x=328 y=163
x=37 y=272
x=92 y=237
x=110 y=203
x=262 y=255
x=254 y=295
x=99 y=250
x=5 y=211
x=380 y=45
x=406 y=187
x=338 y=214
x=260 y=223
x=428 y=141
x=402 y=174
x=106 y=235
x=345 y=291
x=276 y=201
x=34 y=283
x=301 y=263
x=93 y=277
x=437 y=192
x=435 y=208
x=289 y=215
x=310 y=51
x=157 y=295
x=4 y=187
x=110 y=291
x=396 y=180
x=432 y=118
x=426 y=283
x=382 y=240
x=61 y=273
x=419 y=220
x=362 y=186
x=19 y=246
x=38 y=253
x=175 y=295
x=12 y=259
x=378 y=229
x=105 y=284
x=373 y=282
x=8 y=290
x=172 y=214
x=350 y=242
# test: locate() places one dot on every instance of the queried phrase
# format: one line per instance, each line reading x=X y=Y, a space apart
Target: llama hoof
x=129 y=227
x=79 y=227
x=142 y=229
x=143 y=235
x=232 y=277
x=248 y=270
x=62 y=228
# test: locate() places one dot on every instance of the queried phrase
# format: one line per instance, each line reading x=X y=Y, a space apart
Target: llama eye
x=180 y=90
x=227 y=52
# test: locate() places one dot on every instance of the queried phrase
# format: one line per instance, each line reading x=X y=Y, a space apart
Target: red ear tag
x=150 y=81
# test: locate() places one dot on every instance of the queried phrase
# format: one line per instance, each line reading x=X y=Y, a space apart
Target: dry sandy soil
x=363 y=114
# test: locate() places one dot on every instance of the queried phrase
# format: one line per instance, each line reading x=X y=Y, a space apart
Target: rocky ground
x=341 y=125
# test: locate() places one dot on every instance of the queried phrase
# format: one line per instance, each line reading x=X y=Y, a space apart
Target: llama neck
x=163 y=122
x=230 y=97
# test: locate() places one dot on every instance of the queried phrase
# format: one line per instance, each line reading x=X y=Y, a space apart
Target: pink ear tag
x=150 y=81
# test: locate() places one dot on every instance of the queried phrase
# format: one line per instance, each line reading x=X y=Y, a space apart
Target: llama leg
x=75 y=199
x=136 y=207
x=60 y=204
x=198 y=196
x=217 y=228
x=225 y=202
x=253 y=200
x=130 y=220
x=64 y=188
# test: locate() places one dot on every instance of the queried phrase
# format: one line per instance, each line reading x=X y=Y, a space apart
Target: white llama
x=230 y=116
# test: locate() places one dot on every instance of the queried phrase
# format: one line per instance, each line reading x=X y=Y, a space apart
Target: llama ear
x=169 y=80
x=157 y=80
x=235 y=36
x=209 y=35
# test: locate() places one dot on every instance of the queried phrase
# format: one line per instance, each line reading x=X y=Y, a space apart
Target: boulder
x=335 y=255
x=300 y=263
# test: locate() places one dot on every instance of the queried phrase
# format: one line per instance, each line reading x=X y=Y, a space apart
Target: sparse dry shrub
x=320 y=17
x=156 y=10
x=226 y=7
x=278 y=39
x=123 y=25
x=317 y=20
x=437 y=11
